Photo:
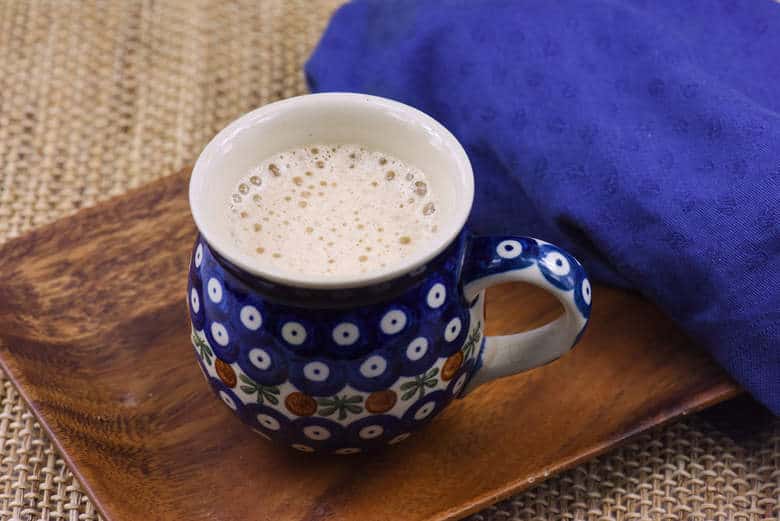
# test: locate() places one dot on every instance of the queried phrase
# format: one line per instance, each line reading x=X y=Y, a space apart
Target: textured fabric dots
x=301 y=447
x=250 y=317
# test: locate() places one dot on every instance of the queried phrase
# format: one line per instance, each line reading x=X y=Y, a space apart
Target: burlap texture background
x=100 y=97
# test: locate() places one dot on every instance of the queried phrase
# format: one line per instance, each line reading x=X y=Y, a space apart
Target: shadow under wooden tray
x=94 y=333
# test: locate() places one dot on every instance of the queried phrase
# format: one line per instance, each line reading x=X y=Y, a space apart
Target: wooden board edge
x=96 y=208
x=85 y=486
x=723 y=391
x=7 y=365
x=709 y=397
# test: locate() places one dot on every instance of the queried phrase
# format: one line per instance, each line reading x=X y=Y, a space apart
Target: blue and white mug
x=346 y=364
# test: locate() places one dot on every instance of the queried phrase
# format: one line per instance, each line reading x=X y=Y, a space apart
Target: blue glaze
x=345 y=371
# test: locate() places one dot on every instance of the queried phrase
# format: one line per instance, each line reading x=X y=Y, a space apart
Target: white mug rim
x=224 y=247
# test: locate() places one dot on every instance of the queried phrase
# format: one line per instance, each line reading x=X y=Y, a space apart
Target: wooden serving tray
x=94 y=333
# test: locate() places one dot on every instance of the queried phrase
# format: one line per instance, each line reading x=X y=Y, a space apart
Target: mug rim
x=223 y=246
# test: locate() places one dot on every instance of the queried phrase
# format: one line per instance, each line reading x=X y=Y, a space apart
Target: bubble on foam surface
x=365 y=214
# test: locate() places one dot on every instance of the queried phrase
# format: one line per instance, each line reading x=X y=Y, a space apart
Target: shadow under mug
x=344 y=364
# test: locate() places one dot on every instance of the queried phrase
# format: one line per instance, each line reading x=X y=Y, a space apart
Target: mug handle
x=495 y=260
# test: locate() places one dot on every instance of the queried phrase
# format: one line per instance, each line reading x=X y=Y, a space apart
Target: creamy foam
x=332 y=210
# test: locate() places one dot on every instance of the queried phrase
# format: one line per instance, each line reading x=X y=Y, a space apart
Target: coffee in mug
x=332 y=209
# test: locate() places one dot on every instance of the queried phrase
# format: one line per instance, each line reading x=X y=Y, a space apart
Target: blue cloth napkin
x=643 y=136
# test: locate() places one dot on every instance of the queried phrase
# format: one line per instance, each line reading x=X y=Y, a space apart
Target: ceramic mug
x=346 y=364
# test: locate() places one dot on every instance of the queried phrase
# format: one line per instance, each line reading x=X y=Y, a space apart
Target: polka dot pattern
x=425 y=409
x=509 y=249
x=220 y=334
x=347 y=450
x=557 y=267
x=437 y=295
x=374 y=431
x=393 y=322
x=214 y=289
x=228 y=398
x=264 y=365
x=376 y=371
x=343 y=379
x=452 y=329
x=267 y=420
x=230 y=402
x=198 y=257
x=318 y=433
x=316 y=371
x=260 y=358
x=251 y=318
x=194 y=301
x=346 y=334
x=316 y=376
x=294 y=333
x=417 y=348
x=373 y=367
x=370 y=432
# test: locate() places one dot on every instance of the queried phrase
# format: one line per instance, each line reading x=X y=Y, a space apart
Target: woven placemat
x=97 y=98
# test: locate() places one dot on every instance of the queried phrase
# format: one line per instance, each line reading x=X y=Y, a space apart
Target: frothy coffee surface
x=332 y=210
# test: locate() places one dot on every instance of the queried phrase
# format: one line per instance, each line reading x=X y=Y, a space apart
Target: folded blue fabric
x=643 y=136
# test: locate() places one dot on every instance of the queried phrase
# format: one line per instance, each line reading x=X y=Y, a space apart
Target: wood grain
x=94 y=332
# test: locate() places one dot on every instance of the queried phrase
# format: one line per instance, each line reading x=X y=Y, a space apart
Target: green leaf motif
x=203 y=348
x=420 y=384
x=327 y=411
x=340 y=404
x=263 y=392
x=408 y=394
x=472 y=341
